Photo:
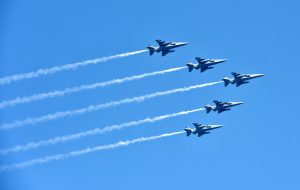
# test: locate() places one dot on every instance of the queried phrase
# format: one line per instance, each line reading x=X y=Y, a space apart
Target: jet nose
x=218 y=126
x=219 y=60
x=239 y=103
x=260 y=75
x=183 y=43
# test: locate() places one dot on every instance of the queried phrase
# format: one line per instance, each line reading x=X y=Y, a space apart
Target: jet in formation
x=221 y=106
x=204 y=64
x=200 y=129
x=165 y=47
x=240 y=79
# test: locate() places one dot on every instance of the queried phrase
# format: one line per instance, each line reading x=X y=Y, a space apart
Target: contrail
x=56 y=69
x=92 y=108
x=87 y=150
x=58 y=93
x=96 y=131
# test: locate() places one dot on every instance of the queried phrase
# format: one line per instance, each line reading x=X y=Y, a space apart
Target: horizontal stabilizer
x=188 y=131
x=208 y=108
x=226 y=81
x=151 y=49
x=190 y=66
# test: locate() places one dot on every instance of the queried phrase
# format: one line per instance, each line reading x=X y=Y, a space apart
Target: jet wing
x=240 y=83
x=200 y=134
x=199 y=60
x=197 y=124
x=220 y=111
x=218 y=103
x=162 y=43
x=203 y=69
x=235 y=74
x=165 y=52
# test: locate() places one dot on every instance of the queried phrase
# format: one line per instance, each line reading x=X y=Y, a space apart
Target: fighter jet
x=240 y=79
x=165 y=47
x=204 y=64
x=200 y=129
x=221 y=106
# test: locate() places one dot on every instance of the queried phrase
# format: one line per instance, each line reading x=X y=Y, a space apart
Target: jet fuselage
x=221 y=106
x=204 y=64
x=201 y=129
x=170 y=46
x=240 y=79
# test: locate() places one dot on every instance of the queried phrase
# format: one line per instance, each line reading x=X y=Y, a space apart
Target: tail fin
x=188 y=131
x=190 y=66
x=151 y=49
x=208 y=108
x=226 y=81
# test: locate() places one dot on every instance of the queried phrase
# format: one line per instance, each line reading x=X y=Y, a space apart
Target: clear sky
x=258 y=147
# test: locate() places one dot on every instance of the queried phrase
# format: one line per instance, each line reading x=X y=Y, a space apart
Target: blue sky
x=258 y=147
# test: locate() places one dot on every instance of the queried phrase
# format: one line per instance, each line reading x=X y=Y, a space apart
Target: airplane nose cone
x=256 y=75
x=239 y=103
x=220 y=60
x=218 y=126
x=183 y=43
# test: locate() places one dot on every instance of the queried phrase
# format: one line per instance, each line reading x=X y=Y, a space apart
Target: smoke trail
x=58 y=93
x=84 y=151
x=73 y=66
x=96 y=131
x=92 y=108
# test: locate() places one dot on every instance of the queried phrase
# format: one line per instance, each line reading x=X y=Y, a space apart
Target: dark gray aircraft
x=201 y=129
x=165 y=47
x=240 y=79
x=204 y=64
x=221 y=106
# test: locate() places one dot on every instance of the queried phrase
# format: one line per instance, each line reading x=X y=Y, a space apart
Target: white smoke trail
x=92 y=108
x=96 y=131
x=58 y=93
x=87 y=150
x=73 y=66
